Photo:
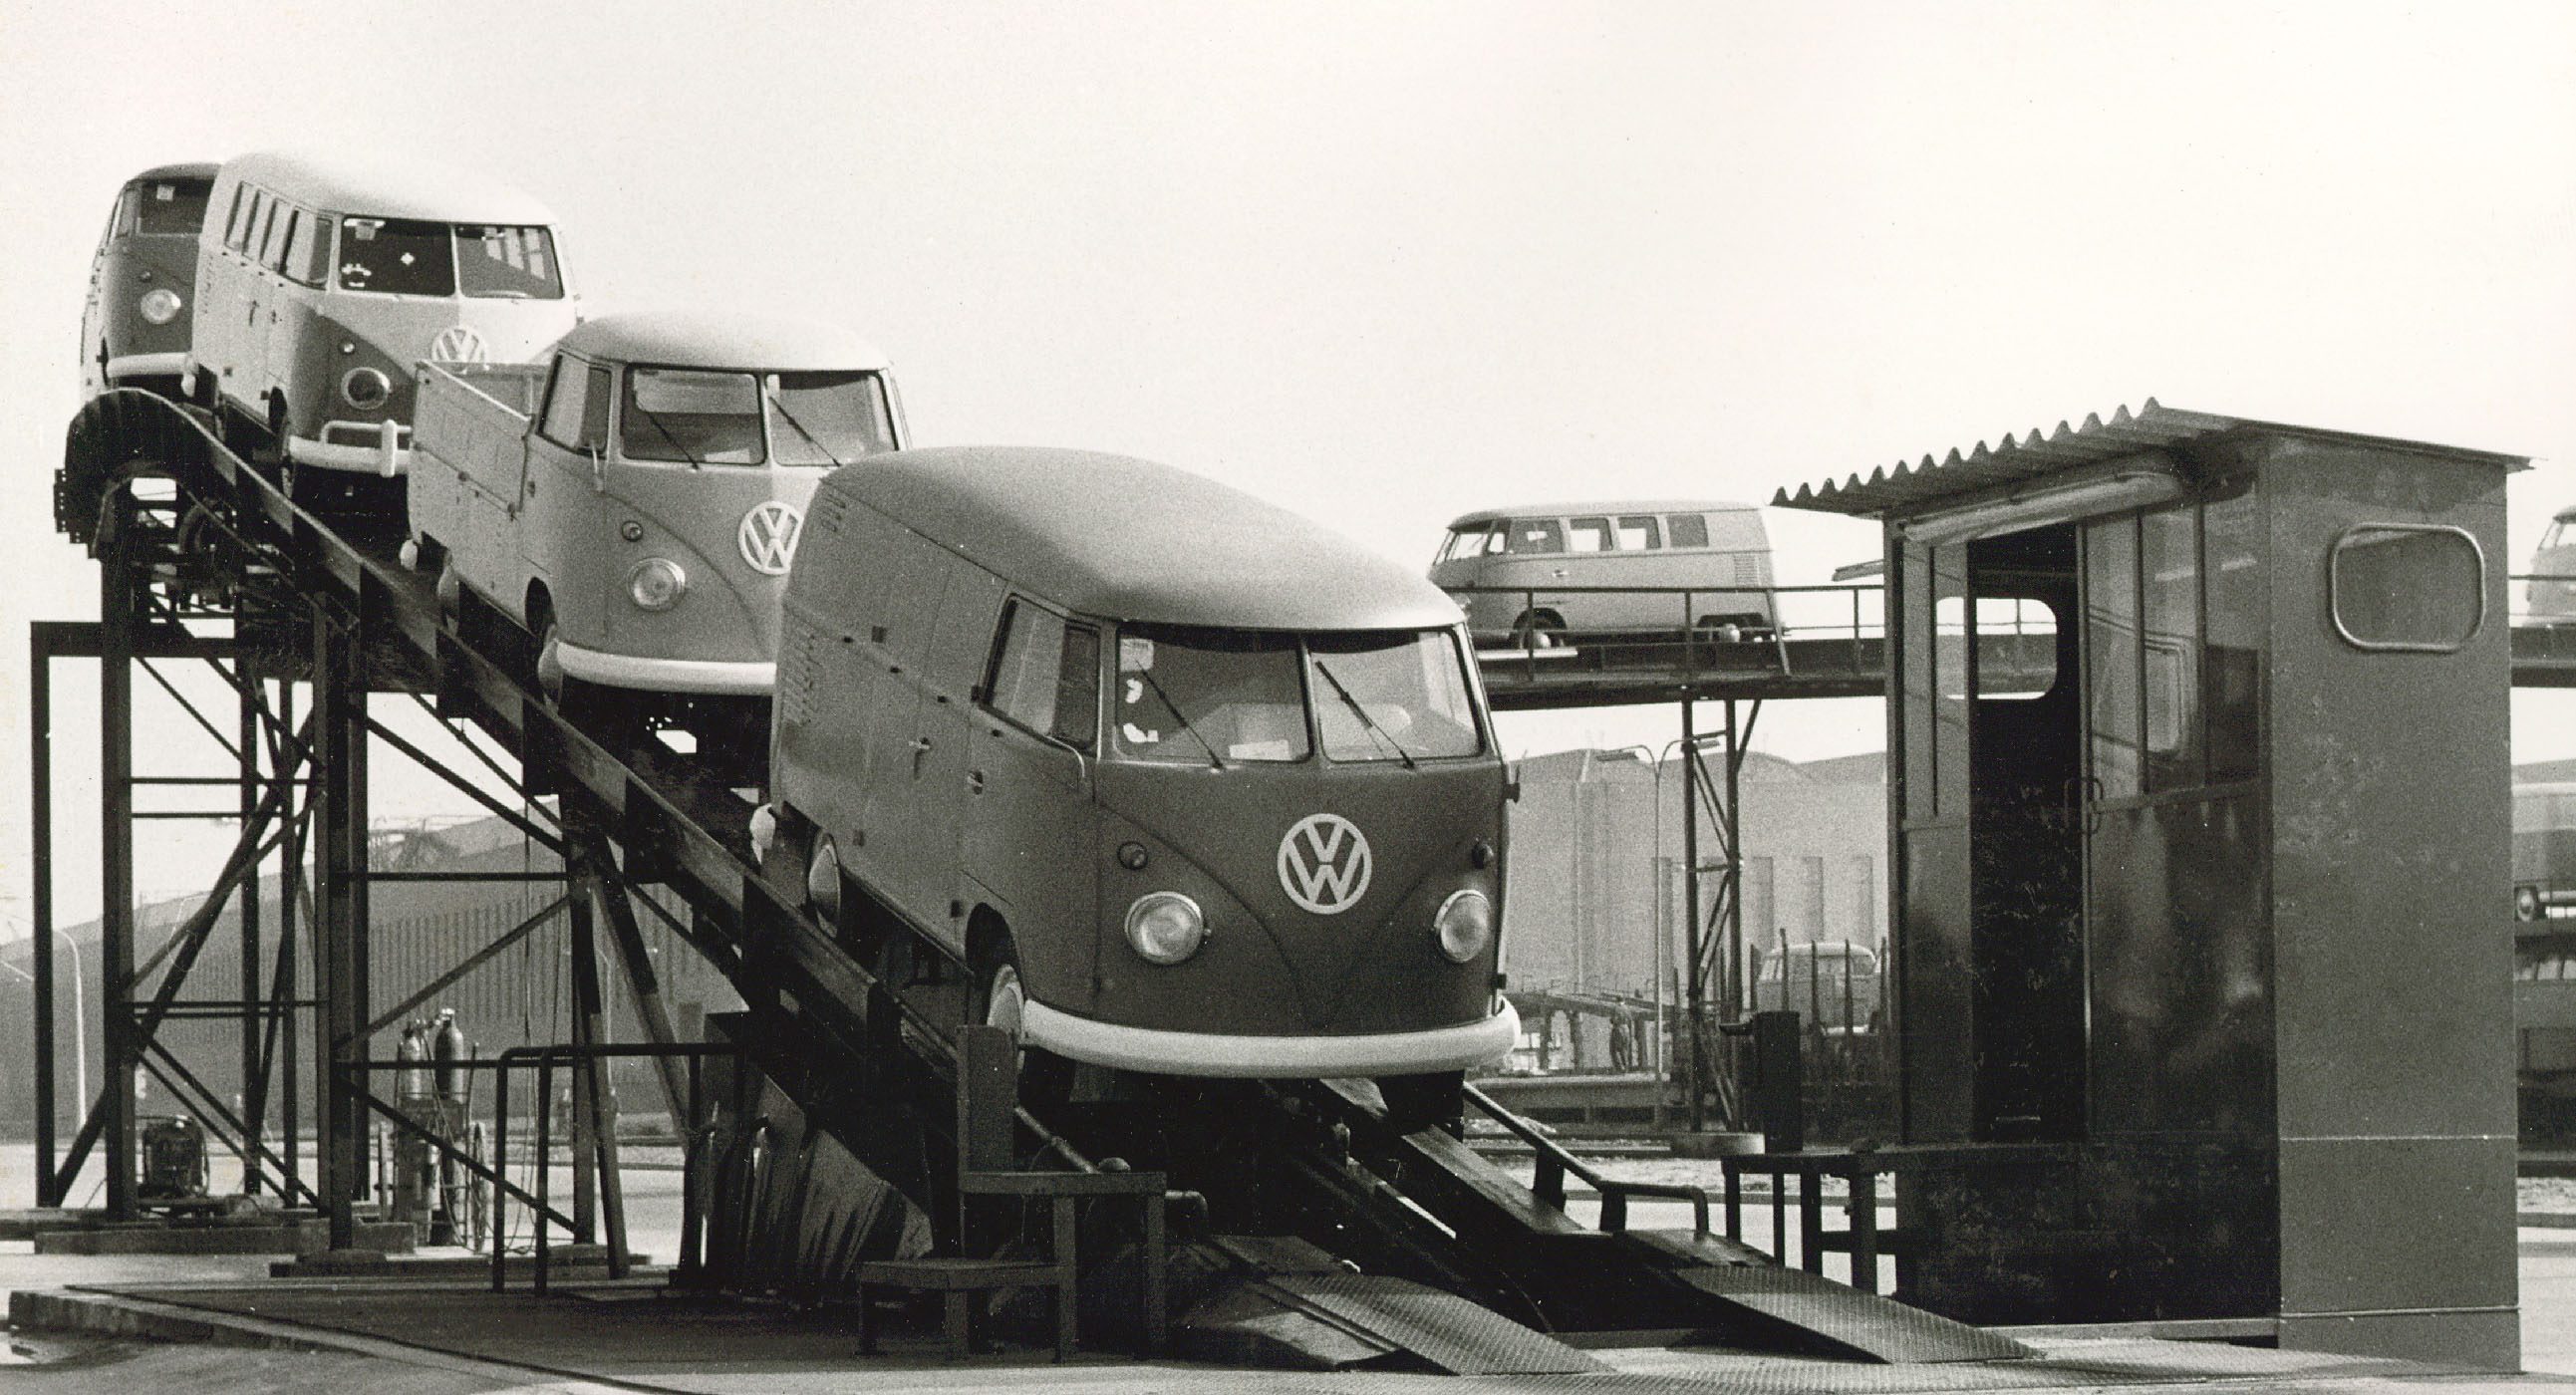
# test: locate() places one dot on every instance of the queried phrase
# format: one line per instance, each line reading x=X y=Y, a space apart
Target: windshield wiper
x=1365 y=719
x=694 y=462
x=811 y=438
x=1180 y=717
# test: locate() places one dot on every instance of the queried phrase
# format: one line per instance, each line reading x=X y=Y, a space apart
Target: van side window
x=1688 y=529
x=308 y=253
x=1638 y=533
x=1588 y=535
x=281 y=233
x=129 y=206
x=260 y=218
x=577 y=409
x=1046 y=675
x=1536 y=535
x=237 y=225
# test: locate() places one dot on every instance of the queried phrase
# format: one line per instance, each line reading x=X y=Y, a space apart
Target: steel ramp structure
x=1429 y=1251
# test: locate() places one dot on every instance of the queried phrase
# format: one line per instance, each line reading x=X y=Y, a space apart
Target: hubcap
x=823 y=880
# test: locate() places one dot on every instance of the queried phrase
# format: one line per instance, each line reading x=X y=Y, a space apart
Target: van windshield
x=691 y=415
x=1207 y=697
x=172 y=205
x=1191 y=696
x=396 y=256
x=1474 y=540
x=827 y=418
x=507 y=263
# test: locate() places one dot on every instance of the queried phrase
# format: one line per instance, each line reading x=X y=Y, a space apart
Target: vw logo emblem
x=768 y=536
x=1324 y=864
x=459 y=344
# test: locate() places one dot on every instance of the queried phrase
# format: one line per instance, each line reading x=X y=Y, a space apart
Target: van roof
x=194 y=169
x=1128 y=539
x=408 y=188
x=722 y=339
x=1469 y=520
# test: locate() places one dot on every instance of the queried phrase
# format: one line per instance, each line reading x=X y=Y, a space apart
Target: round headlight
x=1465 y=925
x=160 y=305
x=365 y=389
x=657 y=583
x=1165 y=927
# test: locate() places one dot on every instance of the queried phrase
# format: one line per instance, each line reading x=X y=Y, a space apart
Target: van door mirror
x=598 y=472
x=1512 y=783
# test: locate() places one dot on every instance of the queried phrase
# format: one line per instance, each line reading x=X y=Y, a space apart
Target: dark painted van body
x=134 y=327
x=1051 y=707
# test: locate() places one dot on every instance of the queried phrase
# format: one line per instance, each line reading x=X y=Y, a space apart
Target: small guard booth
x=2199 y=833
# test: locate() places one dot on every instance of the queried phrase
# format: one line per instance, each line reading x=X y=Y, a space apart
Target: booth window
x=2407 y=587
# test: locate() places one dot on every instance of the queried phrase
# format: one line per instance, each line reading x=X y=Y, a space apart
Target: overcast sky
x=1385 y=263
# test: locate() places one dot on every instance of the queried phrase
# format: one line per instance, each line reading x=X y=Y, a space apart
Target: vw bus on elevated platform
x=632 y=504
x=321 y=281
x=1544 y=575
x=134 y=328
x=1183 y=783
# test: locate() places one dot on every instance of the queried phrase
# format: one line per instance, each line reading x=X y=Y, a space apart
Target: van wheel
x=1001 y=1000
x=823 y=882
x=1537 y=629
x=550 y=670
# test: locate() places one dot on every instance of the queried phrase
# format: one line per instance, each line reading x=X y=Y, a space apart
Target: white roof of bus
x=379 y=188
x=1469 y=520
x=723 y=339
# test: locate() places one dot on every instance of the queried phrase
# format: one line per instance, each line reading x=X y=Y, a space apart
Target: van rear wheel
x=1536 y=629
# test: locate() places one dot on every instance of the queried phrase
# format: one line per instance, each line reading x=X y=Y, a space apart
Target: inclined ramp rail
x=875 y=1073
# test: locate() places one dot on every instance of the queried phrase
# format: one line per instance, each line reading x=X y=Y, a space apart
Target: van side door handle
x=974 y=782
x=920 y=748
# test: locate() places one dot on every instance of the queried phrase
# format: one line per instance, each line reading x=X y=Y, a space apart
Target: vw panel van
x=134 y=328
x=1517 y=571
x=634 y=502
x=1185 y=783
x=321 y=281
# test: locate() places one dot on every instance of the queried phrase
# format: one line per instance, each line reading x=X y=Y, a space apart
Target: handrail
x=1554 y=1162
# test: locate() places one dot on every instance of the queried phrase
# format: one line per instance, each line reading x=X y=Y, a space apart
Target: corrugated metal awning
x=2153 y=427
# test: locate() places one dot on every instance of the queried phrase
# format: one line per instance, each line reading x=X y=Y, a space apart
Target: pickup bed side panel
x=469 y=450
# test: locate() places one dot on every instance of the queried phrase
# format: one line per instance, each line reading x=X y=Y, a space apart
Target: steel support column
x=119 y=601
x=340 y=925
x=40 y=806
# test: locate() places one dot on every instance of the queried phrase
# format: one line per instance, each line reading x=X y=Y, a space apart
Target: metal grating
x=2153 y=427
x=1448 y=1331
x=1863 y=1322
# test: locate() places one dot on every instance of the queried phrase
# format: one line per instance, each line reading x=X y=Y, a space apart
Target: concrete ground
x=412 y=1335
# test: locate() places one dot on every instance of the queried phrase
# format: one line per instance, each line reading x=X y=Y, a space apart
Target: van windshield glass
x=396 y=256
x=1399 y=696
x=827 y=418
x=1474 y=540
x=506 y=263
x=1207 y=697
x=173 y=206
x=691 y=415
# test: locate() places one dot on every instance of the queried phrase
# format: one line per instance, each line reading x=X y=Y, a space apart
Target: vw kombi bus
x=320 y=282
x=633 y=502
x=1545 y=574
x=134 y=328
x=1184 y=783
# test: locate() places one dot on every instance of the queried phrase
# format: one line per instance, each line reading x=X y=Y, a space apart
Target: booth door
x=2176 y=878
